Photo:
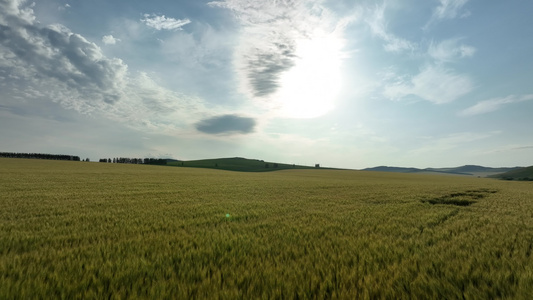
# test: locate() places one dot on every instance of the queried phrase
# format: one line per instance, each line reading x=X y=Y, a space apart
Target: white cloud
x=450 y=50
x=109 y=40
x=54 y=52
x=51 y=63
x=434 y=83
x=284 y=46
x=18 y=8
x=448 y=9
x=491 y=105
x=162 y=22
x=64 y=7
x=378 y=26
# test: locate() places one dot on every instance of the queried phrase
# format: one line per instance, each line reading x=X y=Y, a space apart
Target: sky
x=349 y=84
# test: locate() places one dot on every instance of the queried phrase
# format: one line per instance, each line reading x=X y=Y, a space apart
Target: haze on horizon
x=350 y=84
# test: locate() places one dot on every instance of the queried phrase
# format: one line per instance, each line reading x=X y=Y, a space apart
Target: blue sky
x=349 y=84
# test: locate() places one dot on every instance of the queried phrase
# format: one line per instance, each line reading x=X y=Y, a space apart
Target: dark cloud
x=265 y=68
x=226 y=124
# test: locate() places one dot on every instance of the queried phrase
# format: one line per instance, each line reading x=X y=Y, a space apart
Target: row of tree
x=122 y=160
x=40 y=156
x=127 y=160
x=118 y=160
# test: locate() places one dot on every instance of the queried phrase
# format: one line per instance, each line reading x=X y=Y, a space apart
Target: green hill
x=236 y=164
x=525 y=174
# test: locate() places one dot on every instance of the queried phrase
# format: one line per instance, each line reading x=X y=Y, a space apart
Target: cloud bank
x=55 y=64
x=40 y=53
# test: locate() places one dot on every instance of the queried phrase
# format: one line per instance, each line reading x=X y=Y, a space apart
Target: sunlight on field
x=94 y=230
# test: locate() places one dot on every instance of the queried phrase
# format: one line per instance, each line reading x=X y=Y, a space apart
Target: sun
x=309 y=89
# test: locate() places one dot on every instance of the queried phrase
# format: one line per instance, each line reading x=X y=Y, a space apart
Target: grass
x=90 y=230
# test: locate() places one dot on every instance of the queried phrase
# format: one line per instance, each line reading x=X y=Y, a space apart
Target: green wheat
x=89 y=230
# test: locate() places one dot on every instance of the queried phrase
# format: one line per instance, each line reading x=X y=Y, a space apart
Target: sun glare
x=309 y=89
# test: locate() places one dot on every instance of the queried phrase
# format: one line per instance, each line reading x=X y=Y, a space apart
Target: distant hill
x=416 y=170
x=517 y=174
x=236 y=164
x=470 y=170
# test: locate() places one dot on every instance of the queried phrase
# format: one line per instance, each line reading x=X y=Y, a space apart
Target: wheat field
x=93 y=231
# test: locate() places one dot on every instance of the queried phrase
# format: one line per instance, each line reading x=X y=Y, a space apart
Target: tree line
x=40 y=156
x=118 y=160
x=127 y=160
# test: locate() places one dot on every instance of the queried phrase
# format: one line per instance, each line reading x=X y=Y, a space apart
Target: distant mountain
x=393 y=169
x=517 y=174
x=471 y=170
